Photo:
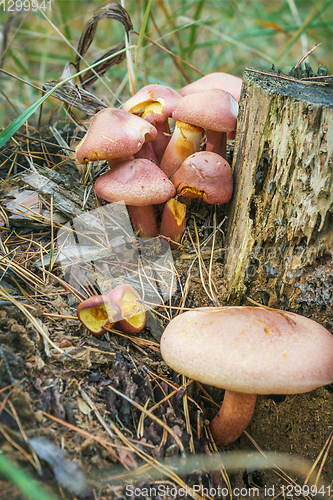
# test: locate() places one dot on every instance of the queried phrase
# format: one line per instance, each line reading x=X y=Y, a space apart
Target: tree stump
x=279 y=236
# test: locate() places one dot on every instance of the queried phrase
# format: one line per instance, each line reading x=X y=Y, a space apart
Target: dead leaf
x=110 y=11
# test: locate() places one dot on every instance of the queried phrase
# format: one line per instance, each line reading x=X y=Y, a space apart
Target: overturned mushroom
x=97 y=313
x=132 y=311
x=121 y=307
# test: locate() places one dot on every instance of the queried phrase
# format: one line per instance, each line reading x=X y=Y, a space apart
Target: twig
x=17 y=446
x=279 y=471
x=10 y=386
x=307 y=55
x=35 y=458
x=187 y=417
x=281 y=77
x=21 y=80
x=317 y=77
x=186 y=292
x=42 y=141
x=211 y=260
x=60 y=316
x=200 y=261
x=98 y=415
x=328 y=446
x=103 y=442
x=323 y=452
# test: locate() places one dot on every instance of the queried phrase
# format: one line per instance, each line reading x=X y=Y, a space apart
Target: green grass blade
x=25 y=484
x=194 y=28
x=313 y=14
x=64 y=18
x=142 y=32
x=7 y=133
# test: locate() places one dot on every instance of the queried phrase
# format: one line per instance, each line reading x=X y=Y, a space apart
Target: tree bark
x=280 y=217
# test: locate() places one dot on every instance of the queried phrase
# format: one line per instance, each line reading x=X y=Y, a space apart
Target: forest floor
x=96 y=417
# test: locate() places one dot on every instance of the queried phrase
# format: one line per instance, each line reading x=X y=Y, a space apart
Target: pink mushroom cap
x=153 y=103
x=212 y=110
x=137 y=182
x=223 y=81
x=250 y=350
x=114 y=133
x=204 y=175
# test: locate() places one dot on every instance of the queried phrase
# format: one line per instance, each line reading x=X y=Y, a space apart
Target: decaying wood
x=280 y=219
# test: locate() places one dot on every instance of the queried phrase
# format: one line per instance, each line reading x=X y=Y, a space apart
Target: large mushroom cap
x=136 y=182
x=224 y=81
x=153 y=102
x=213 y=110
x=114 y=133
x=250 y=350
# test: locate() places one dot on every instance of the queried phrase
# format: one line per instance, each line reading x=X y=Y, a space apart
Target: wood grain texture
x=280 y=217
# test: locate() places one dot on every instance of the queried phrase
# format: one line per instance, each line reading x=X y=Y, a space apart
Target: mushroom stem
x=144 y=221
x=173 y=221
x=147 y=151
x=217 y=142
x=234 y=416
x=184 y=142
x=162 y=139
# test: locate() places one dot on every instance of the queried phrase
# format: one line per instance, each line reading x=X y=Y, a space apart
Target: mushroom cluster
x=150 y=165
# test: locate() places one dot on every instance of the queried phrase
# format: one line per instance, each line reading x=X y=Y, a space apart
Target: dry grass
x=211 y=36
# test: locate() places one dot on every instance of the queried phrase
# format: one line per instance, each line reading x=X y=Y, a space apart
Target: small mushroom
x=140 y=184
x=219 y=80
x=248 y=351
x=155 y=104
x=204 y=175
